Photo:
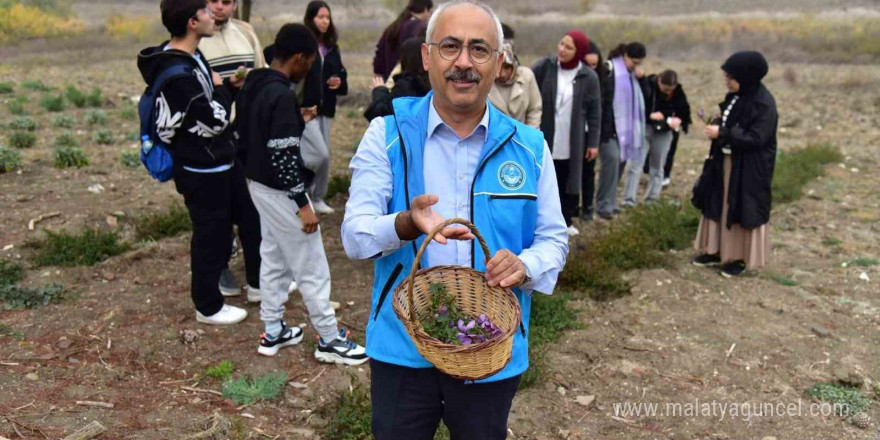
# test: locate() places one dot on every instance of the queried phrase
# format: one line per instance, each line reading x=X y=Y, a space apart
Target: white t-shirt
x=564 y=96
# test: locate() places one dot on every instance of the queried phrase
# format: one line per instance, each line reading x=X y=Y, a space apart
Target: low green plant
x=6 y=88
x=338 y=184
x=350 y=415
x=52 y=103
x=246 y=390
x=129 y=158
x=95 y=98
x=10 y=159
x=87 y=248
x=781 y=279
x=68 y=157
x=66 y=139
x=22 y=139
x=9 y=332
x=10 y=272
x=831 y=241
x=847 y=401
x=23 y=123
x=96 y=117
x=16 y=106
x=864 y=262
x=17 y=297
x=550 y=317
x=103 y=137
x=63 y=121
x=75 y=96
x=794 y=169
x=129 y=113
x=36 y=85
x=163 y=224
x=221 y=371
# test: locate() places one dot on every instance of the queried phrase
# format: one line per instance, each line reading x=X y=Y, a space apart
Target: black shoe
x=341 y=350
x=706 y=260
x=587 y=217
x=287 y=337
x=605 y=215
x=733 y=269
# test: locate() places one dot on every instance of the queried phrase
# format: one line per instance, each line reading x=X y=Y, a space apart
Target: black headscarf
x=747 y=67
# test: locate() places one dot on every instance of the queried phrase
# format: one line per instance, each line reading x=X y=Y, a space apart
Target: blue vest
x=503 y=207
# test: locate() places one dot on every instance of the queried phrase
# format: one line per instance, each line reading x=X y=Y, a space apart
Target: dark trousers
x=670 y=157
x=408 y=404
x=568 y=201
x=588 y=187
x=213 y=200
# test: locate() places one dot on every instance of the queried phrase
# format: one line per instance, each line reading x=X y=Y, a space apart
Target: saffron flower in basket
x=448 y=325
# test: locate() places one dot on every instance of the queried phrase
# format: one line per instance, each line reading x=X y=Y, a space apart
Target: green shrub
x=9 y=332
x=794 y=169
x=338 y=184
x=87 y=248
x=63 y=121
x=52 y=103
x=9 y=159
x=35 y=85
x=22 y=139
x=103 y=137
x=847 y=401
x=76 y=97
x=96 y=117
x=221 y=371
x=864 y=262
x=129 y=113
x=67 y=157
x=129 y=158
x=781 y=279
x=66 y=139
x=6 y=88
x=247 y=390
x=164 y=224
x=10 y=272
x=23 y=123
x=16 y=106
x=350 y=415
x=95 y=98
x=16 y=297
x=550 y=317
x=831 y=241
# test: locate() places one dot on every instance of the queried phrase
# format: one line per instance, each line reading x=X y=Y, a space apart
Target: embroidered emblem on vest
x=511 y=176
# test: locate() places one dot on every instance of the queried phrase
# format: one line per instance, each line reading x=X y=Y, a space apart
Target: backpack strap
x=174 y=71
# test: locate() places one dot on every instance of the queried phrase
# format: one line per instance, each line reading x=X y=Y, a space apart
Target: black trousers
x=568 y=201
x=214 y=201
x=588 y=187
x=408 y=404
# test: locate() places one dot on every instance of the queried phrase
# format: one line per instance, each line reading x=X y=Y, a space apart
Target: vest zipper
x=474 y=182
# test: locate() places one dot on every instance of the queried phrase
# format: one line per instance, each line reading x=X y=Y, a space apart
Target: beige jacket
x=523 y=102
x=233 y=45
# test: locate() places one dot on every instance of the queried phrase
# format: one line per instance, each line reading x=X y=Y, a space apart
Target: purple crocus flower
x=443 y=310
x=465 y=328
x=464 y=339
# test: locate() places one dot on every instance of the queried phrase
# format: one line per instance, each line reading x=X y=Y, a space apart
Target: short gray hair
x=432 y=23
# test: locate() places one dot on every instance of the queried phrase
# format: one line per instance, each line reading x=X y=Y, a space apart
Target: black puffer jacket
x=405 y=84
x=750 y=133
x=654 y=102
x=331 y=66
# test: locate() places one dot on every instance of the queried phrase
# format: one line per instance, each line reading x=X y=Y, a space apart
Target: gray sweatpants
x=288 y=253
x=610 y=170
x=657 y=145
x=315 y=150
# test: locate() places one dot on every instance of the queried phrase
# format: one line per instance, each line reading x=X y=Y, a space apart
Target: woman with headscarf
x=571 y=116
x=623 y=122
x=733 y=192
x=515 y=91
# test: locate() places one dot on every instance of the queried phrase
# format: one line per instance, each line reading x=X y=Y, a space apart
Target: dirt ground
x=683 y=334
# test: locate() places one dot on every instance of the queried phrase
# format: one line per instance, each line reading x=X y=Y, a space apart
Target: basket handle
x=428 y=239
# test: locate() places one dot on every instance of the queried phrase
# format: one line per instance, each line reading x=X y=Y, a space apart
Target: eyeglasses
x=450 y=50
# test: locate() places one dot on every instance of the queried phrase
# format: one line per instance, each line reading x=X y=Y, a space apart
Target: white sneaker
x=321 y=207
x=572 y=231
x=292 y=287
x=253 y=294
x=666 y=181
x=228 y=286
x=227 y=315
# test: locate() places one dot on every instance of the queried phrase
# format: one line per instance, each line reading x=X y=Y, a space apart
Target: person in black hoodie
x=270 y=126
x=734 y=191
x=193 y=118
x=675 y=103
x=412 y=81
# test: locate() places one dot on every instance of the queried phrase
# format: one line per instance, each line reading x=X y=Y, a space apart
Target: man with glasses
x=451 y=154
x=193 y=117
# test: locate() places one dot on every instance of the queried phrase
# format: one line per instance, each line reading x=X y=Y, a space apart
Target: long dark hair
x=633 y=50
x=411 y=58
x=413 y=7
x=327 y=38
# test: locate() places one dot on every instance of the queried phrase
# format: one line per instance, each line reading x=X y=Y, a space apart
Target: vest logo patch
x=511 y=176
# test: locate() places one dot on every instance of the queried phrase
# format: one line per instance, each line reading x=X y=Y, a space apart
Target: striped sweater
x=233 y=45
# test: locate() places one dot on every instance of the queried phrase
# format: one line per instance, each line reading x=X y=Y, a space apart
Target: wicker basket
x=473 y=296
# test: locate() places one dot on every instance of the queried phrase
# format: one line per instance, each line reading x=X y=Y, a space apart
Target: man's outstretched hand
x=421 y=219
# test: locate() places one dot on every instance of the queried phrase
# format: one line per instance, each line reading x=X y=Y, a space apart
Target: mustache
x=463 y=75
